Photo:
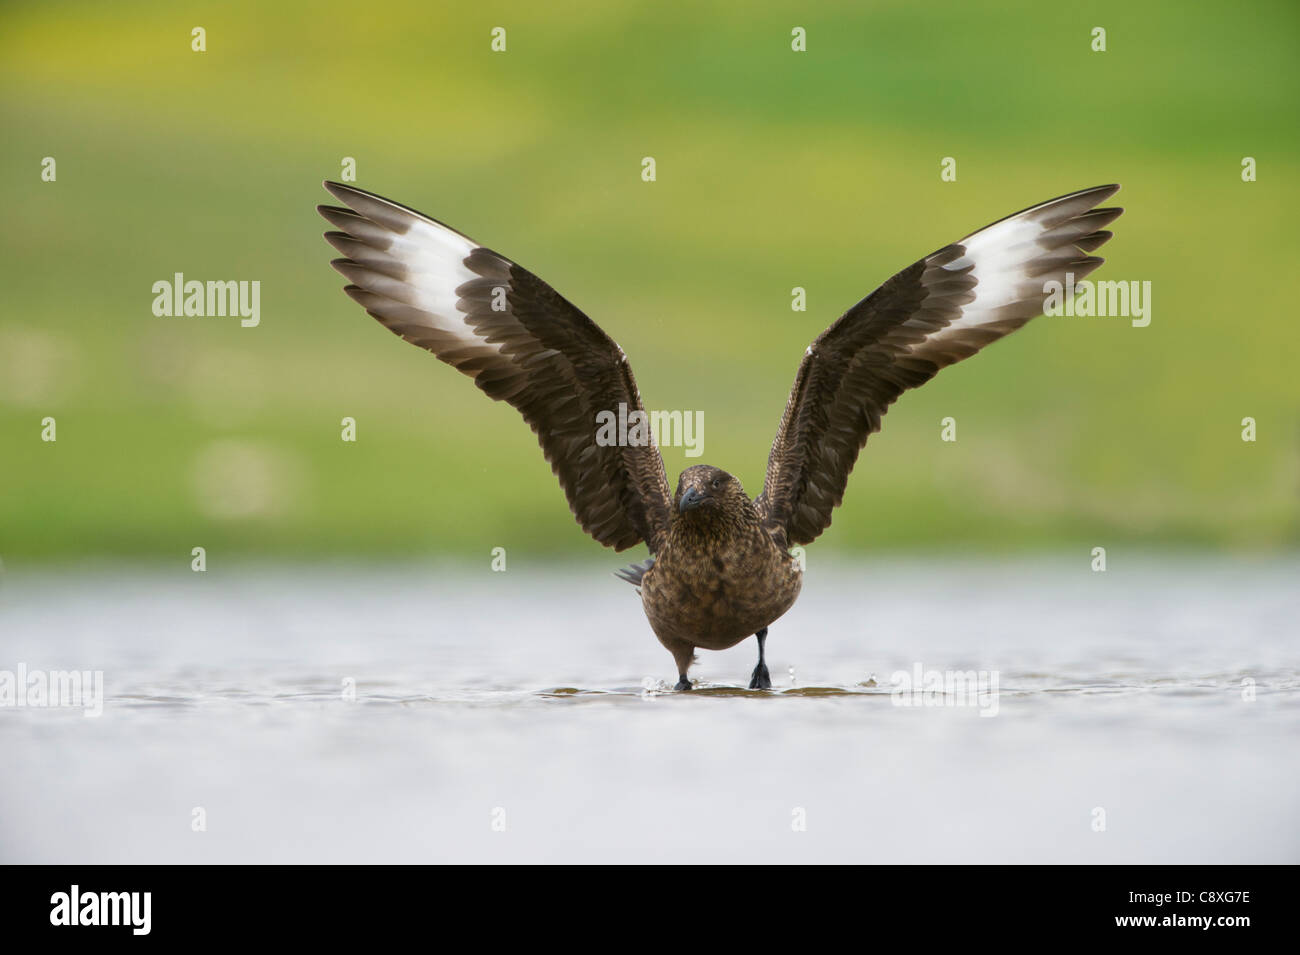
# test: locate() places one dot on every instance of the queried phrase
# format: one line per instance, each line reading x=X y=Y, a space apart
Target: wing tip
x=1101 y=192
x=341 y=190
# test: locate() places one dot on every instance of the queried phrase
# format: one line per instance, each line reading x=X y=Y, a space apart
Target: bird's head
x=704 y=489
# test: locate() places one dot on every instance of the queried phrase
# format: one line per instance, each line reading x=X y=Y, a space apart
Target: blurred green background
x=775 y=169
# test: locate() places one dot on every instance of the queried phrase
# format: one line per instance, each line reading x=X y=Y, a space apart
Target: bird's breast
x=715 y=596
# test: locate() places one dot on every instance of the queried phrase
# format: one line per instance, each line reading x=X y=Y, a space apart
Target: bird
x=722 y=566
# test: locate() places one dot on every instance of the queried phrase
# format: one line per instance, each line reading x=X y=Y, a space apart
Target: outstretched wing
x=938 y=311
x=520 y=341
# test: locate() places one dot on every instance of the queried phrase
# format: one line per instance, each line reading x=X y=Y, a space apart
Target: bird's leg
x=683 y=656
x=761 y=680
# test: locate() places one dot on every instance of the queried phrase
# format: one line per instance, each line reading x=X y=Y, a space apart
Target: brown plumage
x=720 y=567
x=720 y=576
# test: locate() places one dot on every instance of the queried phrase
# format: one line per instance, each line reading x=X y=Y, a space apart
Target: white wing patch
x=1012 y=259
x=434 y=257
x=1001 y=254
x=405 y=259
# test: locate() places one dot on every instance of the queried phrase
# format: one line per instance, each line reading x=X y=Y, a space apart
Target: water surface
x=524 y=717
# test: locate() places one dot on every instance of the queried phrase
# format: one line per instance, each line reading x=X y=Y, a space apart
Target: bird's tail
x=635 y=572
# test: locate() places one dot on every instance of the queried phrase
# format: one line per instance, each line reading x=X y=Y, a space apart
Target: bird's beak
x=691 y=499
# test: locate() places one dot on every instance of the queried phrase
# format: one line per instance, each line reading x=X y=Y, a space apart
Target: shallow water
x=523 y=717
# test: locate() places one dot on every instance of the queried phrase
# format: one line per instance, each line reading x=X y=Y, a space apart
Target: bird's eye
x=717 y=483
